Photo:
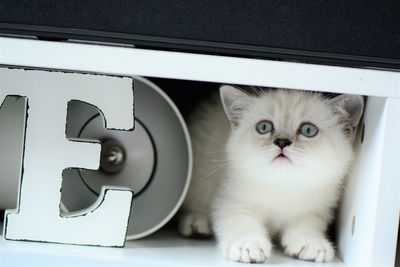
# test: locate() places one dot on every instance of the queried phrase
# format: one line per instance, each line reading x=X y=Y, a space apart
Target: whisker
x=203 y=178
x=344 y=187
x=218 y=160
x=213 y=152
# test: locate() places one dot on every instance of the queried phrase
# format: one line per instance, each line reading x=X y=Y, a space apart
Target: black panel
x=365 y=33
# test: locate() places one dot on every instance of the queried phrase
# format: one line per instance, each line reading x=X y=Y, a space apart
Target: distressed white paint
x=47 y=152
x=188 y=66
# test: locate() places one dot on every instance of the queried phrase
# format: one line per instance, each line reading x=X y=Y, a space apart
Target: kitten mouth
x=282 y=157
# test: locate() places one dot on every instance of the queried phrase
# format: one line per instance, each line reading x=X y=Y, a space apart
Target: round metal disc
x=137 y=149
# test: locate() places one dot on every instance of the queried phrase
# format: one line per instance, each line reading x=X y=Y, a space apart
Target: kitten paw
x=249 y=250
x=195 y=225
x=310 y=249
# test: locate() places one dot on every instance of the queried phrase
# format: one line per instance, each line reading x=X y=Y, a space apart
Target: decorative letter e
x=47 y=153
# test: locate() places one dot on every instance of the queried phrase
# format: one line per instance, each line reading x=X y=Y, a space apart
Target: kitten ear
x=235 y=102
x=349 y=108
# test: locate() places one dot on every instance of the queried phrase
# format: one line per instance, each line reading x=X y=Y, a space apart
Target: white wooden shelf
x=368 y=214
x=196 y=67
x=164 y=248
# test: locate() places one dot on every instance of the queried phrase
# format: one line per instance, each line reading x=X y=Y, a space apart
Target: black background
x=342 y=30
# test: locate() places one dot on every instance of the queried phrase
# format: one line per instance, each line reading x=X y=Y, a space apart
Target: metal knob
x=113 y=156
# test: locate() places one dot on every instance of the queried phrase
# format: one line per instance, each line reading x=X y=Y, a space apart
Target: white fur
x=248 y=195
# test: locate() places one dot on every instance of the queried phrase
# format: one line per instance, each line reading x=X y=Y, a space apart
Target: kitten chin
x=269 y=163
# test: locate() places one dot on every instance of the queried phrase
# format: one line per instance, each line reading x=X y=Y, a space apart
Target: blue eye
x=308 y=129
x=264 y=127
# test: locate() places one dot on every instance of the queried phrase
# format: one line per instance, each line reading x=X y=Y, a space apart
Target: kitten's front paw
x=195 y=225
x=317 y=249
x=249 y=249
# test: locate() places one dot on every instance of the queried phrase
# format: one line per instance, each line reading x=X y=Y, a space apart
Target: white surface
x=187 y=66
x=47 y=153
x=161 y=249
x=388 y=203
x=372 y=194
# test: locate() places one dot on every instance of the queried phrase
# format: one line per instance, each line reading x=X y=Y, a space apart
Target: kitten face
x=286 y=136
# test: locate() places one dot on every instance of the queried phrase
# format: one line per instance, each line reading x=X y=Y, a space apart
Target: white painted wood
x=370 y=207
x=359 y=200
x=164 y=64
x=388 y=202
x=47 y=152
x=161 y=249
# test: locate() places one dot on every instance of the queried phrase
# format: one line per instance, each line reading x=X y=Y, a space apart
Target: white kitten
x=275 y=166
